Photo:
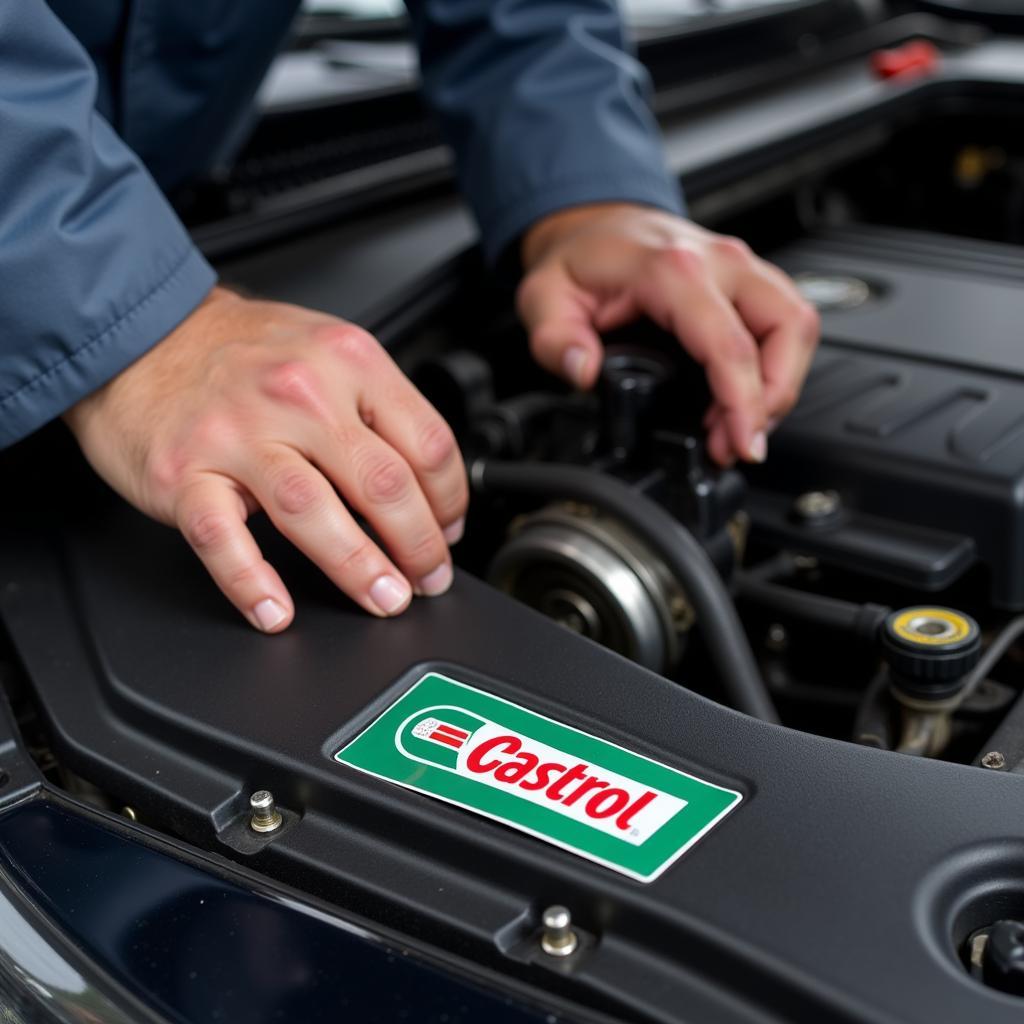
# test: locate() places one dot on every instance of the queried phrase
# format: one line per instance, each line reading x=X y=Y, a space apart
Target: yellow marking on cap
x=902 y=626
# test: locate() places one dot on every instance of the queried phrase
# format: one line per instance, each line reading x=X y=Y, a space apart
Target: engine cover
x=913 y=413
x=798 y=904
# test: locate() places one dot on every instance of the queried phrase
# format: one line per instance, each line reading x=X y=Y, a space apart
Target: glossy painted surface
x=199 y=948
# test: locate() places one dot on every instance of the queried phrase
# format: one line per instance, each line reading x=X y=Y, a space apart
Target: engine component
x=684 y=557
x=265 y=815
x=558 y=938
x=930 y=653
x=595 y=576
x=912 y=414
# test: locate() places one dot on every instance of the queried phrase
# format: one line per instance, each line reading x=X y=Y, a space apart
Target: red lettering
x=475 y=760
x=589 y=783
x=577 y=771
x=606 y=804
x=543 y=779
x=512 y=771
x=638 y=805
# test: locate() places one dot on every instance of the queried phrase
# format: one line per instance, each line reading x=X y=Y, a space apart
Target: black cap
x=1003 y=959
x=930 y=650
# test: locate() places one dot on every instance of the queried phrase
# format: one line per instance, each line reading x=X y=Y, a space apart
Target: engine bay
x=896 y=483
x=863 y=588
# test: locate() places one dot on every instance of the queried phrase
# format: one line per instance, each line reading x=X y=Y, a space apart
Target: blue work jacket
x=107 y=104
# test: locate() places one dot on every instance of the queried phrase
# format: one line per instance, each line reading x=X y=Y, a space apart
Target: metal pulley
x=594 y=576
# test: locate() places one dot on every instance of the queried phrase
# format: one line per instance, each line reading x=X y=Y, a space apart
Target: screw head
x=265 y=815
x=994 y=760
x=558 y=937
x=816 y=506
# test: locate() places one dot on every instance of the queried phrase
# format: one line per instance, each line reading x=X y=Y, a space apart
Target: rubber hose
x=863 y=620
x=682 y=554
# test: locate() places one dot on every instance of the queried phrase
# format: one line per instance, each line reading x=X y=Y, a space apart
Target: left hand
x=594 y=268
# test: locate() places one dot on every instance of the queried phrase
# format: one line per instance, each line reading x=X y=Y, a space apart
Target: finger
x=788 y=327
x=211 y=515
x=399 y=414
x=381 y=486
x=679 y=293
x=559 y=316
x=306 y=509
x=719 y=445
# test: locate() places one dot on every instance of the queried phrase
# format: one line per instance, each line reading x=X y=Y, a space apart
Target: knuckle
x=297 y=493
x=385 y=479
x=682 y=262
x=242 y=578
x=294 y=383
x=166 y=469
x=436 y=444
x=356 y=562
x=205 y=529
x=731 y=248
x=213 y=432
x=427 y=549
x=350 y=343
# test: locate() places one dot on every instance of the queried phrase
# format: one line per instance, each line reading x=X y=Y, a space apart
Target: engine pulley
x=594 y=576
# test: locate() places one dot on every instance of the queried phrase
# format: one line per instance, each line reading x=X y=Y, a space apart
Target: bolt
x=129 y=813
x=815 y=506
x=265 y=815
x=558 y=938
x=994 y=760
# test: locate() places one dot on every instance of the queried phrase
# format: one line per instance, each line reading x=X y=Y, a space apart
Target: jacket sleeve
x=96 y=267
x=544 y=107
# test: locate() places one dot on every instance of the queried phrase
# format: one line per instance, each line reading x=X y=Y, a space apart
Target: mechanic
x=200 y=406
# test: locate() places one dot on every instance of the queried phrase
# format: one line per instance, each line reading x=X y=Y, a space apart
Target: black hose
x=863 y=620
x=1003 y=641
x=685 y=558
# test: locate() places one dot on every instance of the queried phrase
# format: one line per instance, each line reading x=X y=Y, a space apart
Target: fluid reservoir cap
x=930 y=650
x=918 y=57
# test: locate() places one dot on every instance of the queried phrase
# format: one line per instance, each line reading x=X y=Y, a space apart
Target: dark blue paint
x=200 y=948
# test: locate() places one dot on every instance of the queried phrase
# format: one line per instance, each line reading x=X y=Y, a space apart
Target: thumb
x=559 y=317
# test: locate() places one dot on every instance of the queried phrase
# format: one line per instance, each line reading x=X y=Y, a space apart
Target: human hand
x=249 y=405
x=594 y=268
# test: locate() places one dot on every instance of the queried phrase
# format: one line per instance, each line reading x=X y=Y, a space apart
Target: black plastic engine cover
x=914 y=412
x=835 y=891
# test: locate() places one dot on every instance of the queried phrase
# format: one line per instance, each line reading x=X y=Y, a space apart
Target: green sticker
x=488 y=755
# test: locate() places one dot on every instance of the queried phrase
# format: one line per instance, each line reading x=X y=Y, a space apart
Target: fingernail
x=574 y=363
x=759 y=447
x=453 y=531
x=437 y=581
x=389 y=594
x=268 y=614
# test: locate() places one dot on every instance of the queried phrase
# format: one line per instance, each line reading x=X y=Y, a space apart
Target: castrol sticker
x=594 y=798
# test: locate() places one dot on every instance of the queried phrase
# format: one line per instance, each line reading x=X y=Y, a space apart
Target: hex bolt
x=994 y=760
x=265 y=815
x=816 y=506
x=558 y=937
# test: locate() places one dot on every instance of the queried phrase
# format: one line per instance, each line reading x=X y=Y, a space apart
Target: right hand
x=249 y=405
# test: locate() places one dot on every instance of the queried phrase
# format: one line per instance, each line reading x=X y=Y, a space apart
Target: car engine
x=832 y=637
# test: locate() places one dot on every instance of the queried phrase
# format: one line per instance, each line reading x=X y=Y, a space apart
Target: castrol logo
x=577 y=788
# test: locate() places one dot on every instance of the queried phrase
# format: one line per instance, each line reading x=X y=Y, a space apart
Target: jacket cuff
x=104 y=355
